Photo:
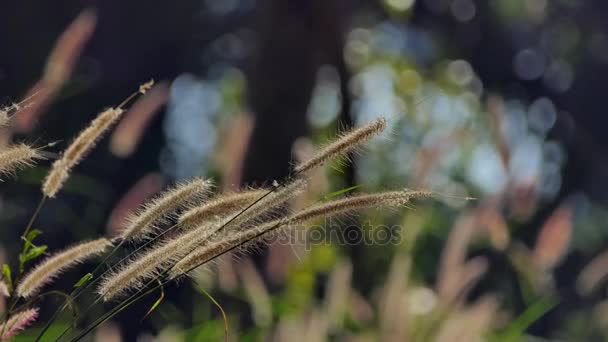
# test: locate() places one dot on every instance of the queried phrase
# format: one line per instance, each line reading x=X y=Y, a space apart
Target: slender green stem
x=14 y=298
x=76 y=293
x=138 y=295
x=112 y=313
x=57 y=312
x=215 y=302
x=127 y=301
x=34 y=216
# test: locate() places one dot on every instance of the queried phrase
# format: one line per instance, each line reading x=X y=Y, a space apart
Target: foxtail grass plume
x=77 y=150
x=256 y=291
x=469 y=275
x=593 y=275
x=234 y=239
x=346 y=143
x=383 y=199
x=68 y=48
x=453 y=256
x=554 y=238
x=84 y=143
x=152 y=263
x=18 y=322
x=53 y=266
x=182 y=195
x=59 y=66
x=267 y=205
x=146 y=86
x=16 y=157
x=219 y=207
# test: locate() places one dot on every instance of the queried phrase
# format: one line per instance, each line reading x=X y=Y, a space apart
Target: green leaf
x=34 y=252
x=340 y=192
x=84 y=279
x=534 y=312
x=33 y=234
x=157 y=303
x=215 y=302
x=29 y=239
x=6 y=271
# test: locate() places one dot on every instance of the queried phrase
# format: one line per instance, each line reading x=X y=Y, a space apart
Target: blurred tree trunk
x=294 y=39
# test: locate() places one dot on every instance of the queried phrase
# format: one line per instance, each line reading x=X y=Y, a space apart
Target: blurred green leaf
x=220 y=308
x=83 y=280
x=515 y=330
x=343 y=191
x=6 y=271
x=157 y=303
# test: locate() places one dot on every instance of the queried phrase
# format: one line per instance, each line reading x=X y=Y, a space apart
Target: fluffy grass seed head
x=77 y=150
x=183 y=195
x=18 y=322
x=357 y=202
x=152 y=263
x=218 y=246
x=7 y=112
x=54 y=265
x=346 y=143
x=269 y=204
x=18 y=156
x=218 y=207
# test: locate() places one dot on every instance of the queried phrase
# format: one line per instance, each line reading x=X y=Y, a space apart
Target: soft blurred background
x=500 y=100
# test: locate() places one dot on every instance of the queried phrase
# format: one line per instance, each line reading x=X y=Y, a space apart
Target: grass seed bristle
x=269 y=204
x=180 y=196
x=219 y=207
x=152 y=263
x=52 y=266
x=77 y=150
x=17 y=157
x=18 y=322
x=237 y=238
x=343 y=145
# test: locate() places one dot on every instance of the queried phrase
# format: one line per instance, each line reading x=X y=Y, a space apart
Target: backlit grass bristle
x=234 y=239
x=268 y=204
x=16 y=157
x=7 y=112
x=146 y=86
x=383 y=199
x=18 y=322
x=152 y=263
x=220 y=206
x=5 y=115
x=53 y=266
x=180 y=196
x=77 y=150
x=343 y=145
